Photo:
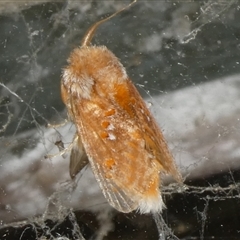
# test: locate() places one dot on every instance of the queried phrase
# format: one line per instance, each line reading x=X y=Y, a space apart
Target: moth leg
x=78 y=158
x=57 y=125
x=60 y=146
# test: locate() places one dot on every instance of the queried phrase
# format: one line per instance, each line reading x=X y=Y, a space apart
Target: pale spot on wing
x=110 y=127
x=111 y=136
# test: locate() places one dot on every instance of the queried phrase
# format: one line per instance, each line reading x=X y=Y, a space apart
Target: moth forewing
x=154 y=140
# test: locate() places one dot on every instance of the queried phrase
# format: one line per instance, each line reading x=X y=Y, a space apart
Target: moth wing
x=124 y=145
x=78 y=158
x=97 y=150
x=154 y=139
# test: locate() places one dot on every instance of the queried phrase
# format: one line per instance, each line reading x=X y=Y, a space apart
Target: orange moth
x=116 y=133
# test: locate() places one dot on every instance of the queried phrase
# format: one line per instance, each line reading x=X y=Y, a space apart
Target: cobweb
x=184 y=58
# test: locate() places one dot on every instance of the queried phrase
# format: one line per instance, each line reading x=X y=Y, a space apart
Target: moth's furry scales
x=127 y=157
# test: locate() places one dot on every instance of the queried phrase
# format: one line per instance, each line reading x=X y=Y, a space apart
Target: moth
x=116 y=133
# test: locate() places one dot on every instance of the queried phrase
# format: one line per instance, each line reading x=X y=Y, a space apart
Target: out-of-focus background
x=183 y=56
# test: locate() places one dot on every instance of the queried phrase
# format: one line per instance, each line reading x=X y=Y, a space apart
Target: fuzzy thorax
x=91 y=65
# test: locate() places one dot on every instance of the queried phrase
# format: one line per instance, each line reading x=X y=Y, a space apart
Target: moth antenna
x=89 y=34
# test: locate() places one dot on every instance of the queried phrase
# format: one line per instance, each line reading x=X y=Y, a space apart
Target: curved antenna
x=89 y=34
